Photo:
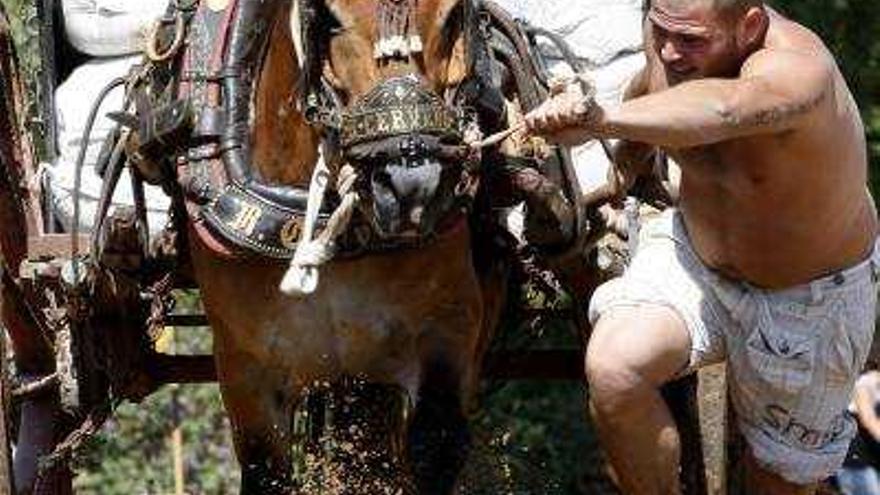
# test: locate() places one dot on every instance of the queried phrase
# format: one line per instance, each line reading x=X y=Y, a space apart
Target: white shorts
x=793 y=355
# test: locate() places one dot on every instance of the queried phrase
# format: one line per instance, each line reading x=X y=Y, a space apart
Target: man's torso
x=780 y=209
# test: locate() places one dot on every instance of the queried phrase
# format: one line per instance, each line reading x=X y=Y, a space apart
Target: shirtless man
x=769 y=262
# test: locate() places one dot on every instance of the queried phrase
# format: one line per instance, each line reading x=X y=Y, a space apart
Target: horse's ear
x=448 y=39
x=448 y=10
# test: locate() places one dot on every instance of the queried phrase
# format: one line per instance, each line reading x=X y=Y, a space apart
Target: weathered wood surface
x=712 y=398
x=5 y=451
x=45 y=246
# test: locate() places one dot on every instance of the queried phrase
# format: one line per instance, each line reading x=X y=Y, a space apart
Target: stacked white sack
x=98 y=27
x=104 y=28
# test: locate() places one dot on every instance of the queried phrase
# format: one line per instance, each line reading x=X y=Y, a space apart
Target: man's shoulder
x=787 y=38
x=794 y=69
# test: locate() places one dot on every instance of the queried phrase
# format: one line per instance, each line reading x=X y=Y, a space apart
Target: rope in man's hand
x=496 y=138
x=558 y=85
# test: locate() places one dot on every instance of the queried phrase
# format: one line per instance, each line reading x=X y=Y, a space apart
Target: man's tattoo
x=772 y=116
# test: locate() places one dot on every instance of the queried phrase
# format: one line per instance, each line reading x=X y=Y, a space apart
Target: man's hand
x=569 y=117
x=866 y=400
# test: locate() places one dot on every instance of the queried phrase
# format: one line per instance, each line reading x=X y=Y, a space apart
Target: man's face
x=692 y=40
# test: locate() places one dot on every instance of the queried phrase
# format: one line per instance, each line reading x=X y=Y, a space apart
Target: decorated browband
x=398 y=106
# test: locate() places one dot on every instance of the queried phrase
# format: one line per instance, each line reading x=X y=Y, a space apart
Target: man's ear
x=751 y=28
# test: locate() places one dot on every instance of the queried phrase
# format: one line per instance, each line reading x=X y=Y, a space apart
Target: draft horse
x=372 y=93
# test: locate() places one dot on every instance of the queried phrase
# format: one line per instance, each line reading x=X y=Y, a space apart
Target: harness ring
x=152 y=49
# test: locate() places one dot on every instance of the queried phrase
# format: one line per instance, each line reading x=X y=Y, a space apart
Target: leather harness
x=198 y=105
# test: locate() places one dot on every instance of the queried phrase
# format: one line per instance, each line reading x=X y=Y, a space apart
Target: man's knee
x=614 y=383
x=633 y=352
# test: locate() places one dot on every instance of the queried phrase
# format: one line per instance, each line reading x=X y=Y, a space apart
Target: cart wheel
x=6 y=484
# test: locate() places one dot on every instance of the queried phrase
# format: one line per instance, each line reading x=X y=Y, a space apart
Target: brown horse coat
x=415 y=318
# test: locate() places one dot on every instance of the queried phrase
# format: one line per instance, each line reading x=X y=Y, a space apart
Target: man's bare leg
x=759 y=481
x=632 y=352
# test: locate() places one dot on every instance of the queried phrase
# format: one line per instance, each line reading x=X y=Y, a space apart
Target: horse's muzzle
x=404 y=193
x=407 y=142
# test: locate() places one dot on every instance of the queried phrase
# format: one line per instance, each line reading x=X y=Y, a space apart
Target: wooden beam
x=180 y=320
x=555 y=364
x=167 y=368
x=6 y=485
x=55 y=246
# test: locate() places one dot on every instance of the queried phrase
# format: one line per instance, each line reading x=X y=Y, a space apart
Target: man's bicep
x=780 y=90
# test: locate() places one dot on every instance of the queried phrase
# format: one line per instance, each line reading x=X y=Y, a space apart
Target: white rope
x=301 y=278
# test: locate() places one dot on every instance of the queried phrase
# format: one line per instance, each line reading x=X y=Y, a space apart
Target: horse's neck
x=285 y=146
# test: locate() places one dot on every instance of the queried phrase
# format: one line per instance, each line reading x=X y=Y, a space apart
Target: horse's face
x=392 y=81
x=353 y=61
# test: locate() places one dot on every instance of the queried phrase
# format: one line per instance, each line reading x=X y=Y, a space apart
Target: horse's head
x=380 y=79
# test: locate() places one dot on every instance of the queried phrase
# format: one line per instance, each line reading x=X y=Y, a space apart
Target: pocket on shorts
x=854 y=323
x=783 y=359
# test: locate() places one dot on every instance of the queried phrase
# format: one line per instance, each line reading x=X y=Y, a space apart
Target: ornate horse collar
x=230 y=202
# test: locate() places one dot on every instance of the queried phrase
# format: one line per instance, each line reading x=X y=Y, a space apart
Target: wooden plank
x=6 y=484
x=556 y=364
x=167 y=368
x=55 y=246
x=712 y=398
x=552 y=364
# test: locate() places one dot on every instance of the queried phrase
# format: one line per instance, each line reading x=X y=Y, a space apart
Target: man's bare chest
x=744 y=166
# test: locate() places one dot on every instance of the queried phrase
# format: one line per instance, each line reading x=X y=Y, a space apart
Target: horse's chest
x=364 y=333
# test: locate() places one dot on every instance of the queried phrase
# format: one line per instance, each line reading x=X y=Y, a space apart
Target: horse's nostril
x=382 y=178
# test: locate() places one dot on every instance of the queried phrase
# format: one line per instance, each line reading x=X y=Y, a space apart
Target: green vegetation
x=849 y=28
x=134 y=454
x=23 y=20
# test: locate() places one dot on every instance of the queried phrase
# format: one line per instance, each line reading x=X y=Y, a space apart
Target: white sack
x=73 y=100
x=596 y=30
x=110 y=27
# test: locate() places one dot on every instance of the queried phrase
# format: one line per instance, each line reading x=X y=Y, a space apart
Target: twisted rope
x=301 y=278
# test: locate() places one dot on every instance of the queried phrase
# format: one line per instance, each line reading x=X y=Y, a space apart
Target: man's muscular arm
x=776 y=91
